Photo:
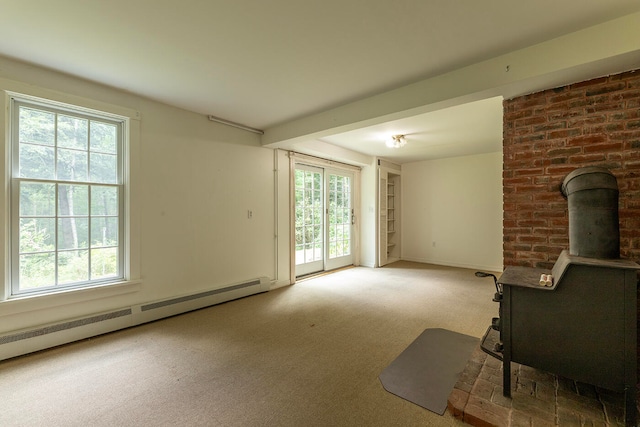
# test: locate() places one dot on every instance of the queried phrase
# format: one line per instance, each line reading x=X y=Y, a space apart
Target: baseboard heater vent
x=45 y=336
x=197 y=296
x=63 y=326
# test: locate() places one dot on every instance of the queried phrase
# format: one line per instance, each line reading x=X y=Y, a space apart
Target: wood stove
x=581 y=322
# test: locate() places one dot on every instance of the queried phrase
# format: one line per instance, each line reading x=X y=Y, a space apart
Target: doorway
x=324 y=219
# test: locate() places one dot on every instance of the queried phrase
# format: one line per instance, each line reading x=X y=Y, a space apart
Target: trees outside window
x=67 y=197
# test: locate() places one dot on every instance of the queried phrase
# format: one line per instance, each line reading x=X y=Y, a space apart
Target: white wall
x=196 y=181
x=452 y=211
x=368 y=213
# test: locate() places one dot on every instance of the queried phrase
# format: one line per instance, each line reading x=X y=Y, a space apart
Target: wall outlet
x=249 y=214
x=433 y=243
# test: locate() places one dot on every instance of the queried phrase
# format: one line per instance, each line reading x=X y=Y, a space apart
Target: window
x=67 y=197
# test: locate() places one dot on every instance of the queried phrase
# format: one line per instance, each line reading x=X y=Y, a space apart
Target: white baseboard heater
x=47 y=336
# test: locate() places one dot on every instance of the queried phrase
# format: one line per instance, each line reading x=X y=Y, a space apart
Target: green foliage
x=78 y=202
x=309 y=212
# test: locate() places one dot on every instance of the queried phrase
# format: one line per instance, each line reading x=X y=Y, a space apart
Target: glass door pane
x=339 y=221
x=309 y=220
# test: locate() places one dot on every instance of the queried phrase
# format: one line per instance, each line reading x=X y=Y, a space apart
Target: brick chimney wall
x=549 y=134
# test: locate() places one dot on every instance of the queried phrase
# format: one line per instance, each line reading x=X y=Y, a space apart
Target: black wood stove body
x=583 y=327
x=579 y=324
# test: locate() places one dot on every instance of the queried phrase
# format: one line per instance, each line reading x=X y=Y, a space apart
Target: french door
x=324 y=219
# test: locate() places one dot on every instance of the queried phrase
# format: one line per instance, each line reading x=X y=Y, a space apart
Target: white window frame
x=130 y=257
x=16 y=181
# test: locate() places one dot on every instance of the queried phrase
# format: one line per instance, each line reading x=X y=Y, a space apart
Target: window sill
x=26 y=303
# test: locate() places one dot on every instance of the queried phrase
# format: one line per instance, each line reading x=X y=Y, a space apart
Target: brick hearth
x=538 y=398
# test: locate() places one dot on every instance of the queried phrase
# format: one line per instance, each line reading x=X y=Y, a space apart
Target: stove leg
x=630 y=410
x=506 y=376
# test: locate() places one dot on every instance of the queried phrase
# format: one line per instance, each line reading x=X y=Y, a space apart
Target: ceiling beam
x=607 y=48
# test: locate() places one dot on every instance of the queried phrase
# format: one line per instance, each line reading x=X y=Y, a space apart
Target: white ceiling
x=472 y=128
x=263 y=63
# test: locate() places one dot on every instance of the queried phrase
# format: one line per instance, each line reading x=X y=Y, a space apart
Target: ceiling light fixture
x=396 y=141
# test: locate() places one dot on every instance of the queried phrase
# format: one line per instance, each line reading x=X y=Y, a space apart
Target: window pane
x=104 y=200
x=72 y=132
x=36 y=127
x=104 y=232
x=73 y=200
x=36 y=161
x=104 y=263
x=346 y=247
x=308 y=250
x=72 y=165
x=299 y=254
x=73 y=233
x=104 y=137
x=37 y=234
x=67 y=231
x=73 y=266
x=37 y=199
x=37 y=270
x=103 y=168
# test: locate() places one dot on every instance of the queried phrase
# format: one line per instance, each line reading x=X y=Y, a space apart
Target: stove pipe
x=594 y=232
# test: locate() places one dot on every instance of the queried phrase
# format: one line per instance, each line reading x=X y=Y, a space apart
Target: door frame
x=298 y=158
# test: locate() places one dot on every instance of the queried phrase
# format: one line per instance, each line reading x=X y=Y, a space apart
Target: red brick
x=625 y=114
x=551 y=250
x=603 y=147
x=483 y=413
x=565 y=95
x=587 y=83
x=536 y=407
x=632 y=164
x=625 y=135
x=483 y=389
x=457 y=402
x=520 y=419
x=587 y=139
x=595 y=122
x=515 y=181
x=631 y=125
x=629 y=76
x=612 y=106
x=531 y=239
x=530 y=188
x=560 y=170
x=562 y=115
x=606 y=128
x=587 y=158
x=532 y=222
x=529 y=138
x=531 y=120
x=579 y=404
x=630 y=94
x=532 y=256
x=517 y=247
x=583 y=121
x=565 y=133
x=529 y=172
x=605 y=88
x=565 y=151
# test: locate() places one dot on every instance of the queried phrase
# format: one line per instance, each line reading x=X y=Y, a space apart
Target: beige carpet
x=305 y=355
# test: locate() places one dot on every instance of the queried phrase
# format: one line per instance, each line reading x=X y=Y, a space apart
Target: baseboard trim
x=18 y=343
